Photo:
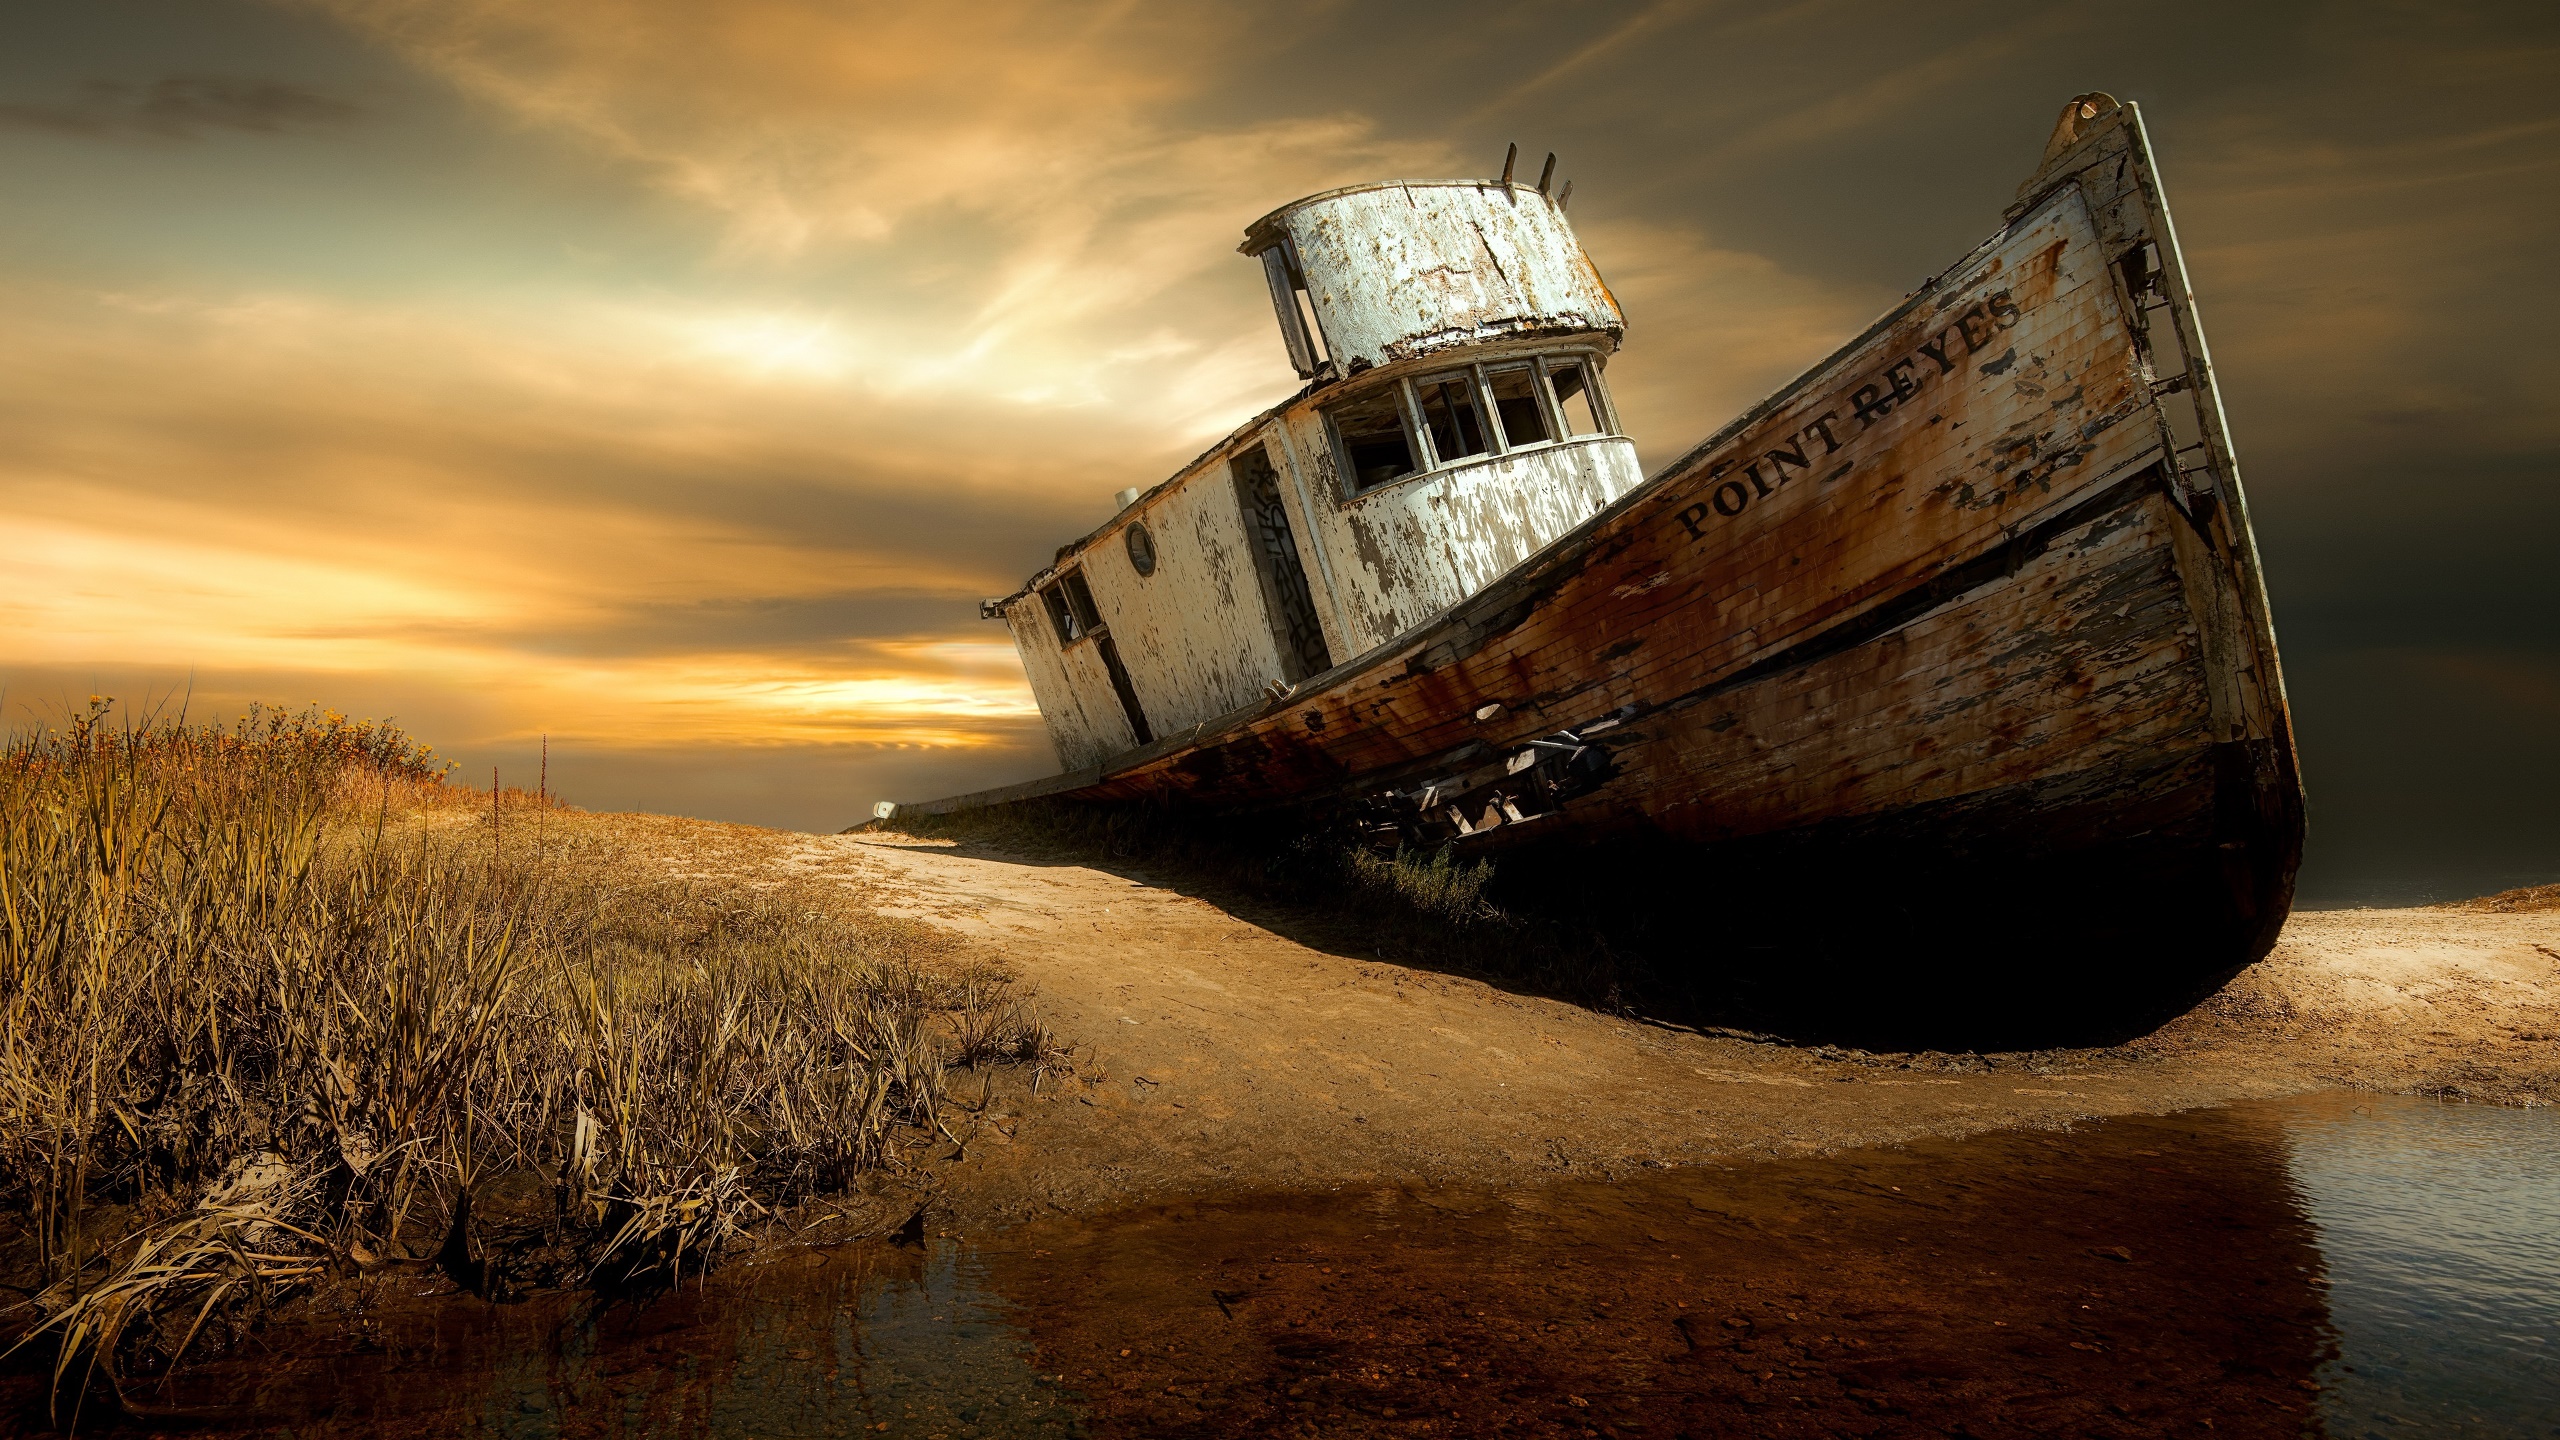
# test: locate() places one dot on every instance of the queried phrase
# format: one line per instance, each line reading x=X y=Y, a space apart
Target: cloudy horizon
x=671 y=381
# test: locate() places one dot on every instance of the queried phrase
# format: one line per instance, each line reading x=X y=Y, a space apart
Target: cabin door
x=1294 y=626
x=1077 y=618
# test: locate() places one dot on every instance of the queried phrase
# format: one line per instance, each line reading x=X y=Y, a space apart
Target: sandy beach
x=1225 y=1048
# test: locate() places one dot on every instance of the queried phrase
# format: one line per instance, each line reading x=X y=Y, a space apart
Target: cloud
x=1001 y=197
x=674 y=377
x=640 y=546
x=1580 y=61
x=811 y=126
x=183 y=107
x=1710 y=330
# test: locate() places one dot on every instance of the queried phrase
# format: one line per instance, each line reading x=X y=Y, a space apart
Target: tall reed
x=275 y=998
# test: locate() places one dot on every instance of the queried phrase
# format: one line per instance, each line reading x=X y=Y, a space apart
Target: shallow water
x=2346 y=1264
x=2441 y=1225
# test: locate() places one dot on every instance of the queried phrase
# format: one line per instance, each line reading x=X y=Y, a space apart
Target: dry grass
x=2511 y=902
x=275 y=1001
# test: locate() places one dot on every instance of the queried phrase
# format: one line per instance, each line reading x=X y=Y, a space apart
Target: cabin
x=1455 y=341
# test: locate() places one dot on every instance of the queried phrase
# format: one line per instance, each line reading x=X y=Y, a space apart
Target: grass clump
x=1434 y=884
x=277 y=1002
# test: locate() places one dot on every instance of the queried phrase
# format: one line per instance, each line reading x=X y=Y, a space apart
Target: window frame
x=1604 y=408
x=1540 y=390
x=1293 y=304
x=1418 y=420
x=1074 y=616
x=1053 y=603
x=1426 y=452
x=1416 y=444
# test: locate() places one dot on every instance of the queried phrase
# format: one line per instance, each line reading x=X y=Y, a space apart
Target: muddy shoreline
x=2127 y=1277
x=1248 y=1084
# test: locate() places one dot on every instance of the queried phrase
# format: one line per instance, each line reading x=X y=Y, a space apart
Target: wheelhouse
x=1456 y=419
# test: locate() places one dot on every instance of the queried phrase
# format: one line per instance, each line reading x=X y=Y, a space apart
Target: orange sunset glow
x=666 y=383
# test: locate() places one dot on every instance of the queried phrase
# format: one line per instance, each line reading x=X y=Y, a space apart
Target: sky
x=665 y=383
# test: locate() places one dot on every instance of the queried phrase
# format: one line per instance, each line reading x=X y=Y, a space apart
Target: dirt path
x=1218 y=1054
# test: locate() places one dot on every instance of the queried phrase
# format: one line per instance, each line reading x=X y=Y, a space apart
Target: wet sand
x=1234 y=1049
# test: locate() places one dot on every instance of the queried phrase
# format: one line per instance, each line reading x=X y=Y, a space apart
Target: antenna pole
x=1509 y=160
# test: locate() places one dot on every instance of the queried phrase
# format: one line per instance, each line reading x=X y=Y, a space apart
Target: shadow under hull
x=2030 y=916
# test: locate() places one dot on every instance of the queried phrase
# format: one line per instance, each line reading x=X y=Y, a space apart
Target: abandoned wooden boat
x=1944 y=674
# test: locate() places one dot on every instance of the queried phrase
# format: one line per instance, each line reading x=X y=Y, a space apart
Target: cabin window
x=1516 y=404
x=1450 y=413
x=1080 y=600
x=1578 y=401
x=1376 y=445
x=1142 y=548
x=1295 y=308
x=1070 y=604
x=1061 y=619
x=1458 y=416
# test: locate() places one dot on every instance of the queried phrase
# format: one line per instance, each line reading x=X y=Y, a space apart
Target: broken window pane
x=1313 y=325
x=1577 y=397
x=1080 y=601
x=1060 y=617
x=1515 y=402
x=1449 y=409
x=1070 y=604
x=1374 y=443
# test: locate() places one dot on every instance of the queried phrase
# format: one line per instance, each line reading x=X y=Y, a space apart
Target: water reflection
x=2442 y=1228
x=868 y=1341
x=2143 y=1276
x=2139 y=1277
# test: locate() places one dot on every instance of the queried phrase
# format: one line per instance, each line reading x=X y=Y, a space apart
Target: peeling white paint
x=1413 y=268
x=1195 y=635
x=1076 y=704
x=1401 y=277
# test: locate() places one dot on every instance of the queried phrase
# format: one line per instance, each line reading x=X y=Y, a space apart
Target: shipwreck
x=1944 y=676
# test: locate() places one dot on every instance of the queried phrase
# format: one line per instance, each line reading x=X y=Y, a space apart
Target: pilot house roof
x=1401 y=270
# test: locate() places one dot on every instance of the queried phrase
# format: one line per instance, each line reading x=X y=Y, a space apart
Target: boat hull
x=1942 y=681
x=2011 y=819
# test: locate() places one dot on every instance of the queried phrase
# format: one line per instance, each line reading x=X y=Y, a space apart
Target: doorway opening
x=1294 y=626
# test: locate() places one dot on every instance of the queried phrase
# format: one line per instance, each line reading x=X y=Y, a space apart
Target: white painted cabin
x=1454 y=338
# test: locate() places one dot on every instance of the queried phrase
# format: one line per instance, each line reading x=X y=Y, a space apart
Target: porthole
x=1142 y=548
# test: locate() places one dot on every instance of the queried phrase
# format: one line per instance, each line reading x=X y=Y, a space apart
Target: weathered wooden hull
x=1948 y=665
